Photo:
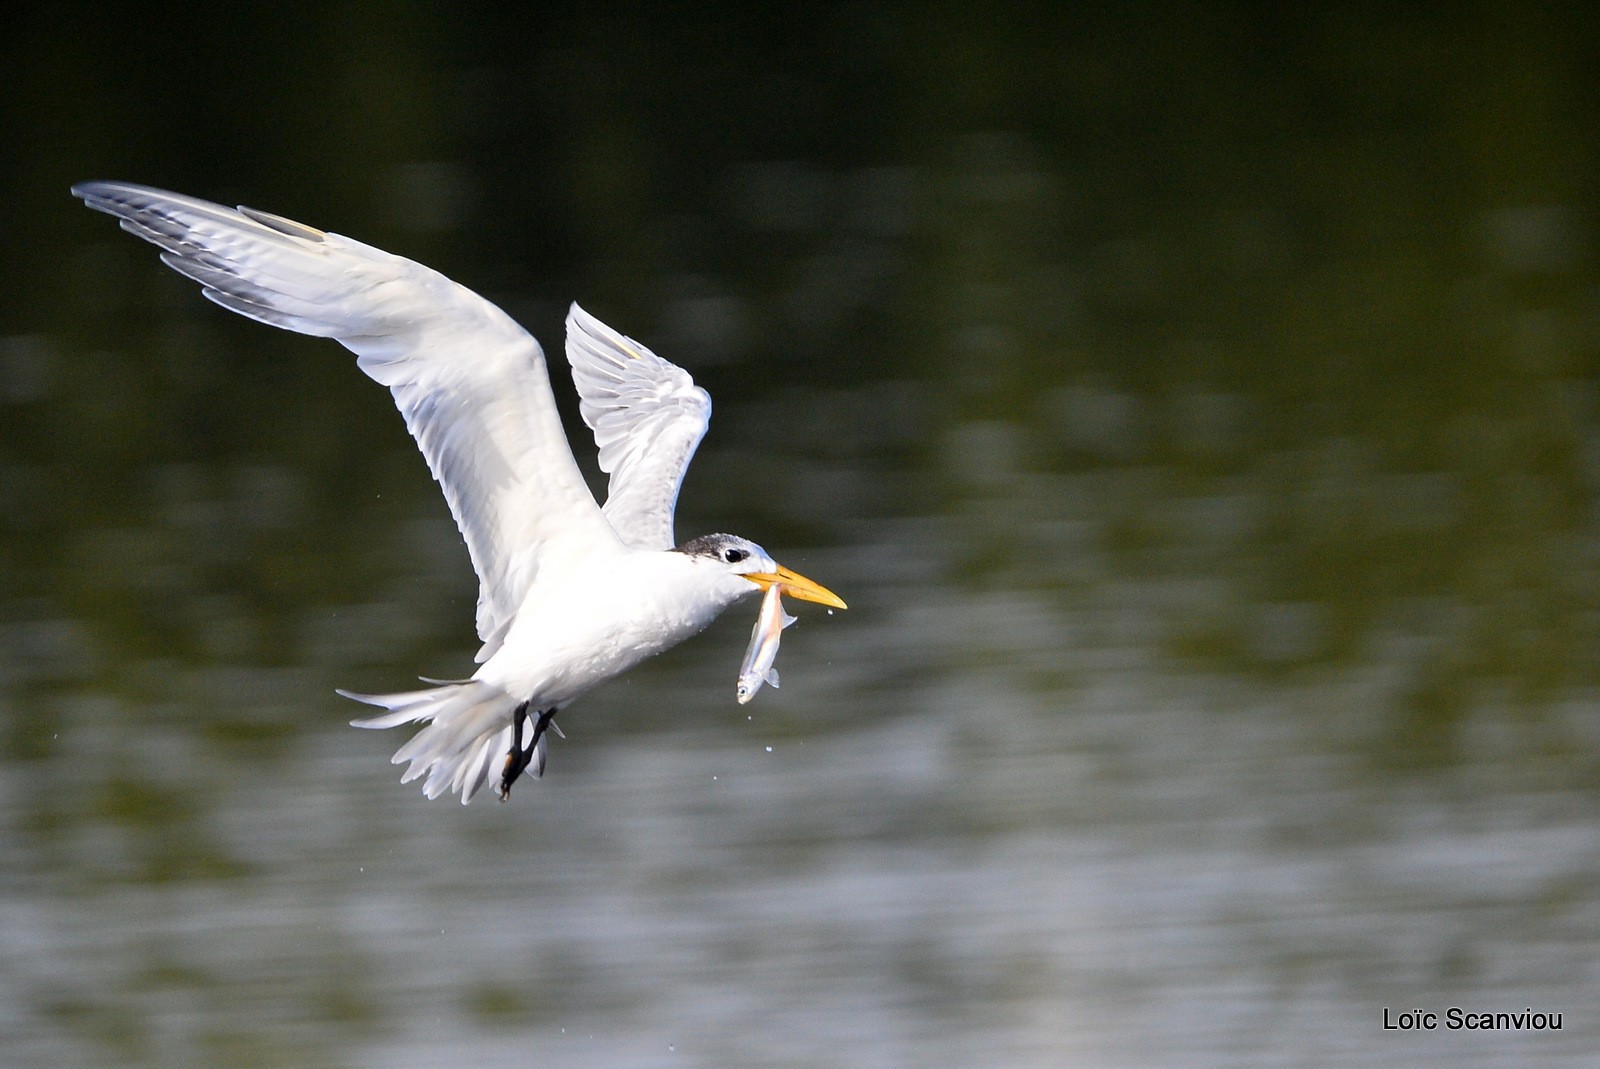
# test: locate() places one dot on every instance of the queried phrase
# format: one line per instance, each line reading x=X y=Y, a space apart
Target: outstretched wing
x=471 y=383
x=647 y=416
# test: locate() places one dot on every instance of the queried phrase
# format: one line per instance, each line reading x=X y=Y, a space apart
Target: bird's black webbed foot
x=526 y=735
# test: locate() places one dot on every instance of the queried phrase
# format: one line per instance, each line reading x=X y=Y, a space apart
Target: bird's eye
x=734 y=556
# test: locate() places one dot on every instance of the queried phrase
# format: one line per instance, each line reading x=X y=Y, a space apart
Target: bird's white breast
x=581 y=627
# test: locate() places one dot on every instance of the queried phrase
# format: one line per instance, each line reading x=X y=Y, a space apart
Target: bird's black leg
x=522 y=752
x=518 y=756
x=545 y=720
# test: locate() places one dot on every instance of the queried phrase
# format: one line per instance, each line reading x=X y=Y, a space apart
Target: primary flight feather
x=570 y=593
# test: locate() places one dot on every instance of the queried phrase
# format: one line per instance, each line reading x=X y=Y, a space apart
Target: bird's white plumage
x=569 y=595
x=647 y=416
x=469 y=381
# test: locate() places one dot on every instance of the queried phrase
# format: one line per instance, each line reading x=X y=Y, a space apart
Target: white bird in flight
x=571 y=594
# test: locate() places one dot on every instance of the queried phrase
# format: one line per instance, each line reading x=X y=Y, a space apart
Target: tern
x=571 y=593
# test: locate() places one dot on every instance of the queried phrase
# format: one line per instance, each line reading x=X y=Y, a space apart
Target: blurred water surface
x=1202 y=420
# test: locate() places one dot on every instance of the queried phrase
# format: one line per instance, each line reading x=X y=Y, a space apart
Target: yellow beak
x=797 y=585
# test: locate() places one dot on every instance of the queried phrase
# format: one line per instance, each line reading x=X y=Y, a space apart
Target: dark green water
x=1201 y=416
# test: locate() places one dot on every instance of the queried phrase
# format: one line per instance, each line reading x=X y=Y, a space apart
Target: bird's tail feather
x=468 y=725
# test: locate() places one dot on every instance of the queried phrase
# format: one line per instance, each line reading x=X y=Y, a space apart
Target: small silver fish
x=763 y=650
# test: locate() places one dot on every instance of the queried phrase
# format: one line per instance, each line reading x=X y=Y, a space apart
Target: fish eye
x=734 y=556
